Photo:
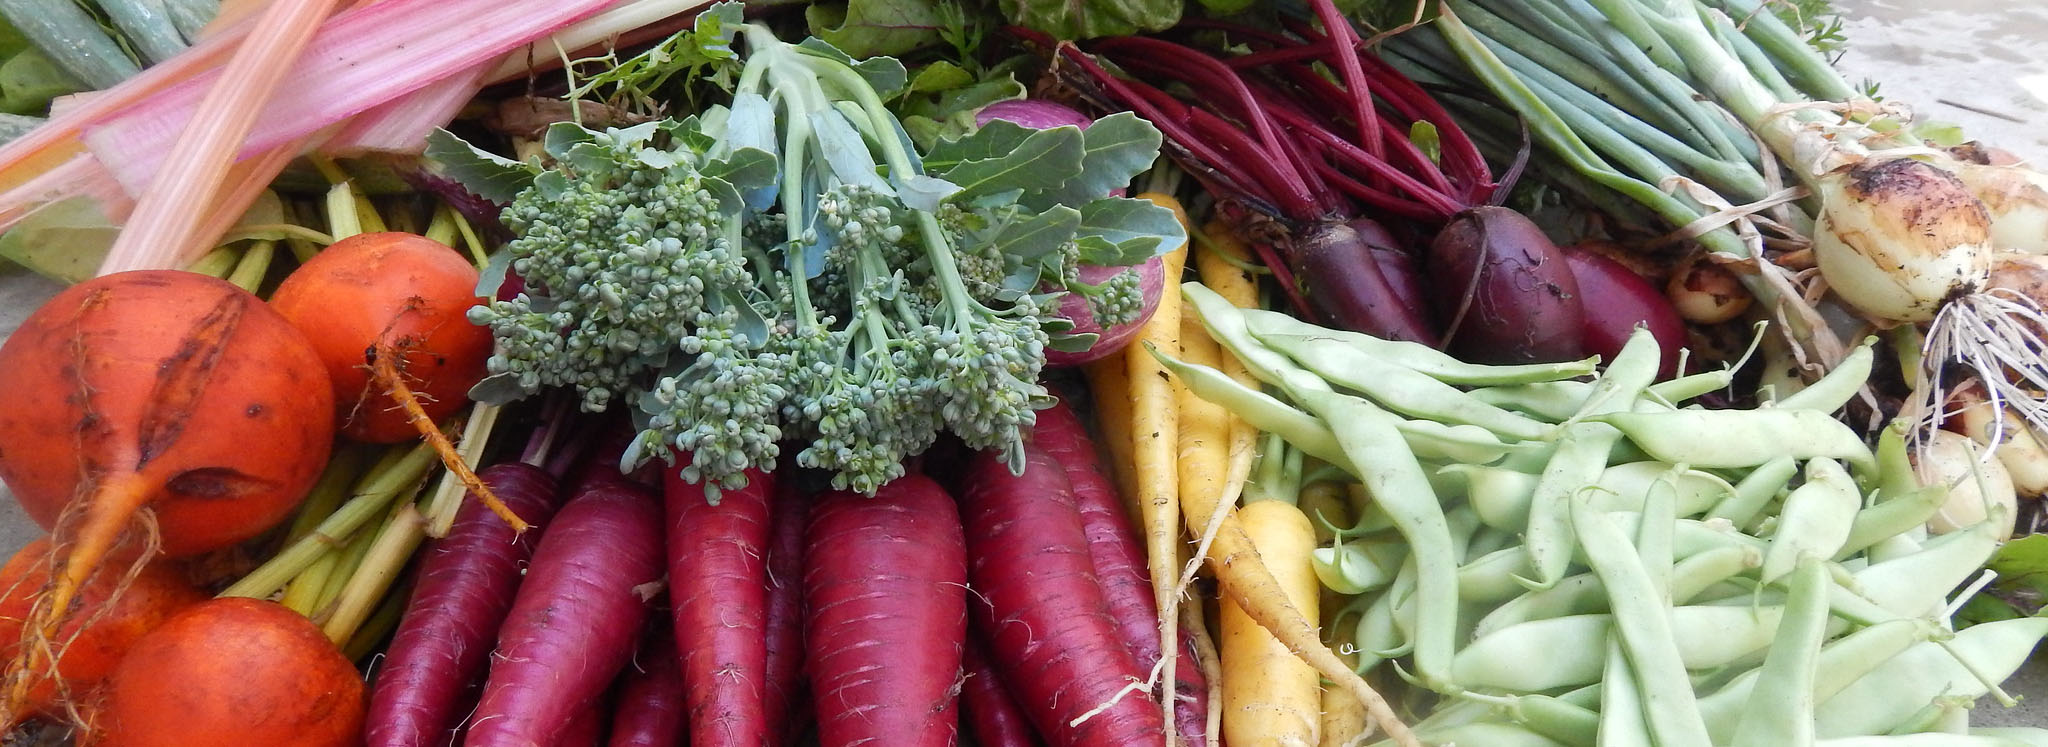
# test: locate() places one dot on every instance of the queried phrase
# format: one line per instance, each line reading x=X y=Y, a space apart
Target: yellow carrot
x=1344 y=719
x=1155 y=444
x=1270 y=696
x=1109 y=384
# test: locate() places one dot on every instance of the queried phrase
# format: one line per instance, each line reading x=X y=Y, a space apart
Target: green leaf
x=1424 y=136
x=63 y=240
x=562 y=137
x=483 y=173
x=845 y=150
x=884 y=74
x=2023 y=561
x=745 y=168
x=1088 y=19
x=1004 y=157
x=1131 y=231
x=939 y=76
x=498 y=389
x=1115 y=149
x=866 y=28
x=1037 y=235
x=28 y=81
x=496 y=267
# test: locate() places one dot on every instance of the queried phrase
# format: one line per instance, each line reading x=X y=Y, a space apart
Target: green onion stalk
x=1664 y=103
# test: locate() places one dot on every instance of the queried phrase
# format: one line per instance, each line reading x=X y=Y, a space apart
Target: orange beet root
x=157 y=592
x=233 y=671
x=396 y=291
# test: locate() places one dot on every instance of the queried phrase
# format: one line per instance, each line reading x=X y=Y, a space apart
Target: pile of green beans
x=1565 y=554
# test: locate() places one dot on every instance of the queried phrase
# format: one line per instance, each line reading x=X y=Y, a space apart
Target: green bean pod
x=1258 y=409
x=1830 y=392
x=1841 y=663
x=1717 y=439
x=1780 y=712
x=1500 y=495
x=1815 y=520
x=1755 y=490
x=1419 y=357
x=1924 y=740
x=1891 y=516
x=1713 y=635
x=2028 y=735
x=1622 y=720
x=1917 y=584
x=1395 y=388
x=1884 y=698
x=1581 y=594
x=1551 y=401
x=1348 y=569
x=1693 y=491
x=1489 y=734
x=1645 y=626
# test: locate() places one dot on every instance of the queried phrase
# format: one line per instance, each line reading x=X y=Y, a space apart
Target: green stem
x=370 y=635
x=381 y=563
x=351 y=557
x=373 y=494
x=1622 y=15
x=447 y=498
x=1758 y=63
x=1789 y=52
x=63 y=32
x=255 y=264
x=1728 y=140
x=217 y=263
x=147 y=26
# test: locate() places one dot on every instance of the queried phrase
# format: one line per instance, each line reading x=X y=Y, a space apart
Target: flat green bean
x=1395 y=388
x=1419 y=357
x=1780 y=712
x=1740 y=438
x=1917 y=584
x=1885 y=697
x=1842 y=662
x=1500 y=495
x=1830 y=392
x=1755 y=490
x=1645 y=626
x=1553 y=401
x=1623 y=722
x=1581 y=594
x=1693 y=491
x=1489 y=734
x=1713 y=635
x=1491 y=579
x=1923 y=740
x=1895 y=474
x=1582 y=452
x=2028 y=735
x=1397 y=483
x=1348 y=569
x=1815 y=519
x=1258 y=409
x=1891 y=516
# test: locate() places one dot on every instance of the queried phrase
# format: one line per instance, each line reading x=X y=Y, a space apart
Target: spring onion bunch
x=1700 y=110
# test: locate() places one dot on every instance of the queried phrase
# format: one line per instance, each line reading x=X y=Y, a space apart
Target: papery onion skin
x=1897 y=238
x=2016 y=198
x=1949 y=458
x=2025 y=461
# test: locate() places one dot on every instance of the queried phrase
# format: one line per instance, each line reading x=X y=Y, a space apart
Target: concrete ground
x=1982 y=63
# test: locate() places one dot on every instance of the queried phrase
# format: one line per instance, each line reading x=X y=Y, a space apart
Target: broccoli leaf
x=867 y=28
x=884 y=74
x=844 y=150
x=483 y=173
x=1036 y=236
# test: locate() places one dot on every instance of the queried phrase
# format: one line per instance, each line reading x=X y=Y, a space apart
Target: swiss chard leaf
x=486 y=174
x=1088 y=19
x=867 y=28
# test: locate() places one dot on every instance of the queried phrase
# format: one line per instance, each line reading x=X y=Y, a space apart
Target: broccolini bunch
x=790 y=269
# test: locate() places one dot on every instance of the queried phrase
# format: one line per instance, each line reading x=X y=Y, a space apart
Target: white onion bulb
x=1897 y=238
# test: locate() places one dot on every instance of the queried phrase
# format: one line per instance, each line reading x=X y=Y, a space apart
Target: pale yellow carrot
x=1270 y=696
x=1109 y=385
x=1155 y=444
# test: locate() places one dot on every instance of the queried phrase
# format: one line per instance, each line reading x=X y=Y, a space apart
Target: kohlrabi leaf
x=1030 y=237
x=923 y=192
x=483 y=173
x=844 y=149
x=1115 y=149
x=561 y=137
x=939 y=76
x=1003 y=157
x=884 y=74
x=745 y=168
x=1088 y=19
x=866 y=28
x=1130 y=231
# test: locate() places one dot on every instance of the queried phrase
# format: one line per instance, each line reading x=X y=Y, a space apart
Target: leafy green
x=488 y=175
x=1088 y=19
x=64 y=240
x=703 y=53
x=2022 y=583
x=866 y=28
x=28 y=81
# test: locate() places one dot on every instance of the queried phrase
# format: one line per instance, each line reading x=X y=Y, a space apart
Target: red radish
x=576 y=618
x=885 y=583
x=165 y=389
x=1050 y=629
x=1504 y=290
x=784 y=710
x=992 y=713
x=648 y=705
x=465 y=587
x=1616 y=301
x=718 y=591
x=1119 y=560
x=396 y=290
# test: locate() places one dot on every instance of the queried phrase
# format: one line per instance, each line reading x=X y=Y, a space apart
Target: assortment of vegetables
x=1097 y=373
